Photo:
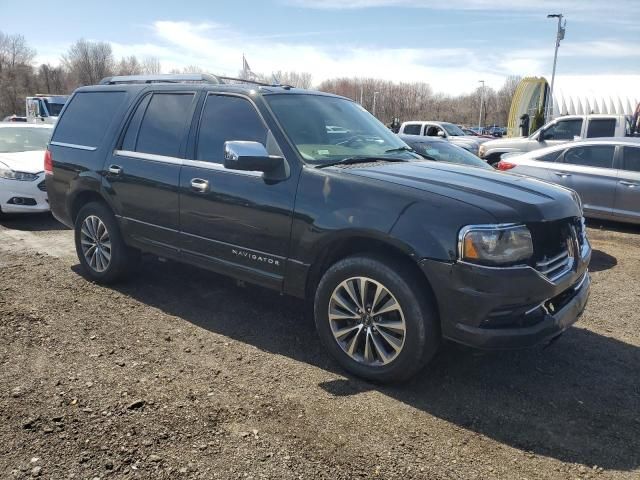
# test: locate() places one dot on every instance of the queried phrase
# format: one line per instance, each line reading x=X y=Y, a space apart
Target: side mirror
x=542 y=136
x=441 y=134
x=253 y=157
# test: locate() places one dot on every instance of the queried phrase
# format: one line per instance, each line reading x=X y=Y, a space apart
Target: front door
x=627 y=204
x=233 y=221
x=589 y=170
x=143 y=172
x=561 y=131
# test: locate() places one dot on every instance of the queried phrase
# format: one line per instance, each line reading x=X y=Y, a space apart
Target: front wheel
x=375 y=320
x=103 y=254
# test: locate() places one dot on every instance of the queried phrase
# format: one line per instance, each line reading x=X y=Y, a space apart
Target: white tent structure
x=582 y=95
x=575 y=95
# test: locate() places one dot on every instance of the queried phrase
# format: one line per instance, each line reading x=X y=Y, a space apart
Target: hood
x=507 y=197
x=506 y=142
x=29 y=162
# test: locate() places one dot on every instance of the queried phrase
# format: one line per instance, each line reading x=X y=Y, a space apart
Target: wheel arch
x=386 y=250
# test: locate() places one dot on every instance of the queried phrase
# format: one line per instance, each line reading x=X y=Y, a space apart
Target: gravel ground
x=179 y=373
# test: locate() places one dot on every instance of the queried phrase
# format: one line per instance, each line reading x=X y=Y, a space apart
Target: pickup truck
x=561 y=130
x=446 y=130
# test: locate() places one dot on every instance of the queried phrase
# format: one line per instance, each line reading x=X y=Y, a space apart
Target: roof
x=629 y=141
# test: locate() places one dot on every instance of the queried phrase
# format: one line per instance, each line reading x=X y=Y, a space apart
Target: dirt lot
x=180 y=373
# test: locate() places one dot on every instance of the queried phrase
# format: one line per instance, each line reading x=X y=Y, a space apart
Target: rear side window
x=163 y=124
x=631 y=159
x=591 y=156
x=227 y=118
x=87 y=118
x=412 y=129
x=603 y=127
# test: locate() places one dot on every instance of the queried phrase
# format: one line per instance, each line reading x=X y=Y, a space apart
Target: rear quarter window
x=87 y=118
x=602 y=127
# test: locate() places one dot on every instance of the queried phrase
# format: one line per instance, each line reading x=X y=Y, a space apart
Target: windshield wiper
x=362 y=159
x=400 y=149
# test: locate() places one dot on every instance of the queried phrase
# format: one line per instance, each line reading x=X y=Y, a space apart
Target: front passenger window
x=227 y=118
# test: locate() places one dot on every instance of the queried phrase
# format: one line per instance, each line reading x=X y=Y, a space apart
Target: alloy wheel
x=367 y=321
x=96 y=243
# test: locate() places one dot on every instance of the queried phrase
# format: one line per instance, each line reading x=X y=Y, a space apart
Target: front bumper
x=13 y=192
x=502 y=308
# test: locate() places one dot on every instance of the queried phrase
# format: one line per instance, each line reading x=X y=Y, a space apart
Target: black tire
x=122 y=260
x=422 y=332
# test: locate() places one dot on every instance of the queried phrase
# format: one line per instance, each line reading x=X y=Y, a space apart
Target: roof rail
x=162 y=78
x=244 y=80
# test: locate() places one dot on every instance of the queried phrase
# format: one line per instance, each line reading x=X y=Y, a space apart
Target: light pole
x=559 y=37
x=375 y=94
x=481 y=102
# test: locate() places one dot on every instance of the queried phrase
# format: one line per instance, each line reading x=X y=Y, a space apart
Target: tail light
x=502 y=165
x=48 y=163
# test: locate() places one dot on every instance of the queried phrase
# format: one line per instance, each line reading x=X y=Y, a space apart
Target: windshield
x=14 y=140
x=453 y=130
x=446 y=152
x=54 y=108
x=328 y=129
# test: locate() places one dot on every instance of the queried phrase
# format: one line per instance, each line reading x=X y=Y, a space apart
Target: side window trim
x=208 y=95
x=145 y=97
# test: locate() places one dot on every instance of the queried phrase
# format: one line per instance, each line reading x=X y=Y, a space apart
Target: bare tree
x=129 y=66
x=88 y=62
x=151 y=65
x=16 y=73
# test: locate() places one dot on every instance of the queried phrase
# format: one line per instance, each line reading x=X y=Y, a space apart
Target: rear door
x=143 y=173
x=234 y=221
x=589 y=170
x=627 y=204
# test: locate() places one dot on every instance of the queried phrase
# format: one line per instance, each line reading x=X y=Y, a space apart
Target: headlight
x=495 y=245
x=6 y=172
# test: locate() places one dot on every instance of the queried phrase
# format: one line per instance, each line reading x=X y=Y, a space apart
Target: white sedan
x=22 y=186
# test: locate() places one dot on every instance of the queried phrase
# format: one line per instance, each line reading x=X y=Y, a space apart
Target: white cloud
x=219 y=49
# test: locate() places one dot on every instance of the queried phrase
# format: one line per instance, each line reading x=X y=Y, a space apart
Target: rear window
x=87 y=118
x=603 y=127
x=412 y=129
x=549 y=157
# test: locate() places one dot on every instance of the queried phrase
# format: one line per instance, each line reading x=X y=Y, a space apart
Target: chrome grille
x=42 y=186
x=556 y=266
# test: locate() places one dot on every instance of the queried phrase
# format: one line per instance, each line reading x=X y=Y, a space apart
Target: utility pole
x=481 y=103
x=559 y=36
x=375 y=94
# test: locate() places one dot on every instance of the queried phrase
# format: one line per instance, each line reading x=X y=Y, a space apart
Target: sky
x=451 y=44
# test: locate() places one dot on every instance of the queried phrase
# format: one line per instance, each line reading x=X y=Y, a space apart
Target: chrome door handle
x=199 y=185
x=629 y=184
x=562 y=174
x=115 y=169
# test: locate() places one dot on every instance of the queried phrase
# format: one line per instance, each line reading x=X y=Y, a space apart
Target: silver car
x=605 y=172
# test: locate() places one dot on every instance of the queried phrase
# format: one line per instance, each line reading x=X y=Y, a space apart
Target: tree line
x=86 y=63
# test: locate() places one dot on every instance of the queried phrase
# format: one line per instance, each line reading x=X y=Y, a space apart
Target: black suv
x=308 y=194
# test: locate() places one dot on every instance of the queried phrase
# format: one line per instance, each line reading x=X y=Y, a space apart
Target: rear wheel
x=374 y=319
x=102 y=253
